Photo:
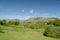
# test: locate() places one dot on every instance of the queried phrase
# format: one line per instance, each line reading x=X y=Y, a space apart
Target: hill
x=40 y=19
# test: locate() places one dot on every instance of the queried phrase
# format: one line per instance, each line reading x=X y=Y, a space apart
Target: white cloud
x=31 y=11
x=22 y=10
x=28 y=16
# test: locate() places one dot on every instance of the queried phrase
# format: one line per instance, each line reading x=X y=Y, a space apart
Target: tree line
x=11 y=22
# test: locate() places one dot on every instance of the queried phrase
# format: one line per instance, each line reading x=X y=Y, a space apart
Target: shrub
x=13 y=22
x=36 y=25
x=52 y=32
x=3 y=22
x=55 y=23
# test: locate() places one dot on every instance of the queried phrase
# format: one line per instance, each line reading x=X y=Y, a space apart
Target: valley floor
x=27 y=35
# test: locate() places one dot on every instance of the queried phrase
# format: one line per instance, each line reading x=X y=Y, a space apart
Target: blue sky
x=24 y=9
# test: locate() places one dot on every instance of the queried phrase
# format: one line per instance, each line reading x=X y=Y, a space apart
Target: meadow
x=25 y=31
x=24 y=34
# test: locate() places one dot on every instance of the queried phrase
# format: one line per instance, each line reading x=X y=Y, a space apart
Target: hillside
x=40 y=19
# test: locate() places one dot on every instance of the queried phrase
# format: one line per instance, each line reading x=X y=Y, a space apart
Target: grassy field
x=24 y=34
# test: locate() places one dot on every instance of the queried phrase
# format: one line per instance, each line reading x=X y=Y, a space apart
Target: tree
x=3 y=22
x=14 y=22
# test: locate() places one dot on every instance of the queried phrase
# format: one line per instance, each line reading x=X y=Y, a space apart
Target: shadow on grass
x=2 y=32
x=50 y=36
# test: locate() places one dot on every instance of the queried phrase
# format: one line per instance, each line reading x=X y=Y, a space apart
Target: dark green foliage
x=36 y=25
x=55 y=23
x=3 y=22
x=13 y=22
x=52 y=32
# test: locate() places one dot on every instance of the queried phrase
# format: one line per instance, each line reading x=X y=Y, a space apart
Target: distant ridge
x=40 y=19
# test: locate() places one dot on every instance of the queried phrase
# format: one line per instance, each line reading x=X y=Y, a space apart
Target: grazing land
x=30 y=30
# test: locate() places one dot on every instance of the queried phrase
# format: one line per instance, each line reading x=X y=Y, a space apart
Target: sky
x=24 y=9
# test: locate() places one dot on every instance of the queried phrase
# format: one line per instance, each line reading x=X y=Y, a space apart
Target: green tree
x=3 y=22
x=14 y=22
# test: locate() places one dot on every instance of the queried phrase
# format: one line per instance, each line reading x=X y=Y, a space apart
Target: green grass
x=23 y=34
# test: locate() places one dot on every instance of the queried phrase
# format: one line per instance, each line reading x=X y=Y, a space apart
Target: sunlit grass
x=24 y=34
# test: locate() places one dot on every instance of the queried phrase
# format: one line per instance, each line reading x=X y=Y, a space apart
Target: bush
x=36 y=25
x=55 y=23
x=3 y=22
x=52 y=32
x=13 y=22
